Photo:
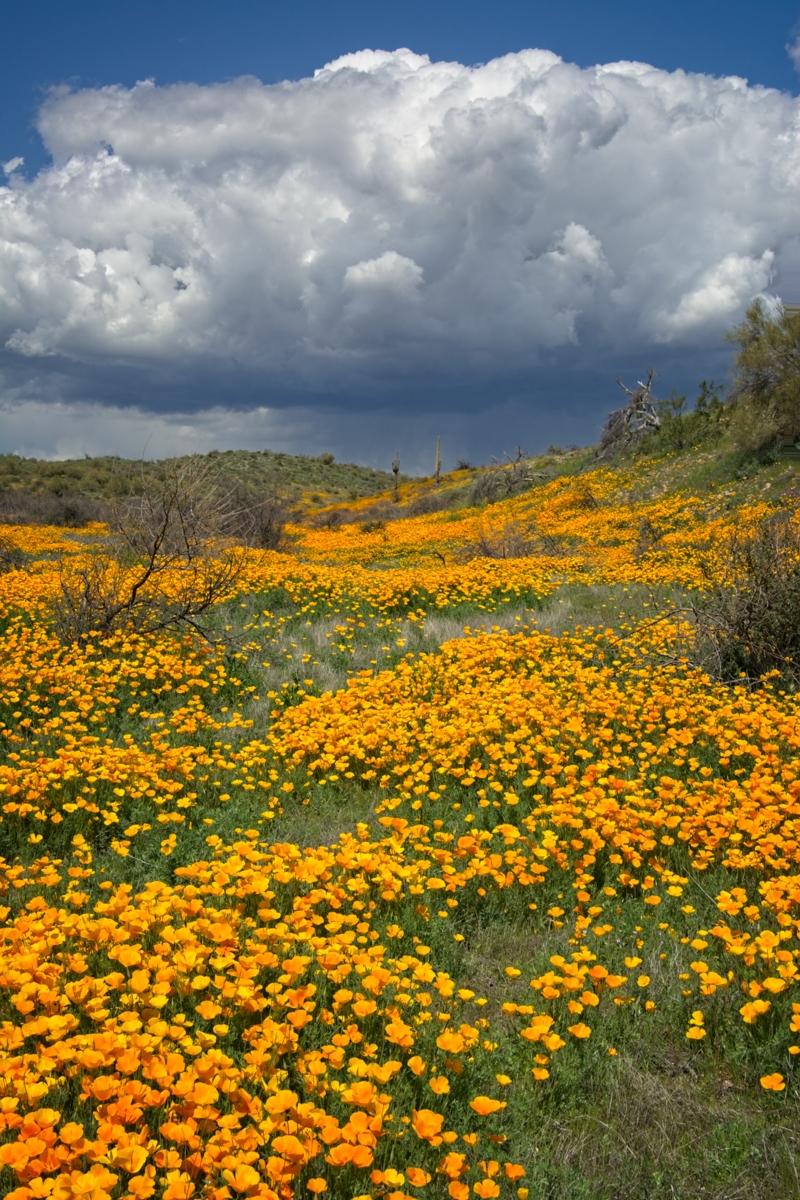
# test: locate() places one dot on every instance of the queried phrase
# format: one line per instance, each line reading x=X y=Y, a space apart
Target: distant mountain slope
x=301 y=480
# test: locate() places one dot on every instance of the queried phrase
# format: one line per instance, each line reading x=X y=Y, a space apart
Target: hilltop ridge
x=320 y=490
x=74 y=490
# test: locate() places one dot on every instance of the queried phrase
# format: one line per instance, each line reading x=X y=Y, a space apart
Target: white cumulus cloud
x=393 y=216
x=391 y=273
x=719 y=291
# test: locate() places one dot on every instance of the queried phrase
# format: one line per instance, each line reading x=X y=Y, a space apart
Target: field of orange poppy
x=404 y=883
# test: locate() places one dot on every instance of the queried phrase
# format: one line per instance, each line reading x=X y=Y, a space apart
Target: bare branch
x=627 y=425
x=169 y=559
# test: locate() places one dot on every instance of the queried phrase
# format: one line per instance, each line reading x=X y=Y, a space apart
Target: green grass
x=737 y=477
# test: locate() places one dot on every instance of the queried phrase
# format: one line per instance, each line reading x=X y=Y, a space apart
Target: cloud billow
x=393 y=217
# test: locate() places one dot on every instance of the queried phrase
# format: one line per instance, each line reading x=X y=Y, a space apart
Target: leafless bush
x=512 y=540
x=747 y=622
x=649 y=538
x=258 y=521
x=503 y=479
x=332 y=518
x=515 y=539
x=585 y=497
x=429 y=502
x=18 y=506
x=486 y=488
x=382 y=512
x=554 y=545
x=166 y=561
x=11 y=557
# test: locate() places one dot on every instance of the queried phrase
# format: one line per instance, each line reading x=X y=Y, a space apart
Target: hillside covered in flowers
x=436 y=865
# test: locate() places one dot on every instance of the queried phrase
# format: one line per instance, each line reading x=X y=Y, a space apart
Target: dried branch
x=166 y=562
x=626 y=426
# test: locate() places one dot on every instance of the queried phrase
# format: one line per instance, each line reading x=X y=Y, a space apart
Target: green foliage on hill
x=50 y=488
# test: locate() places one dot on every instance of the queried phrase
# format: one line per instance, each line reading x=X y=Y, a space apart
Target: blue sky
x=49 y=42
x=469 y=289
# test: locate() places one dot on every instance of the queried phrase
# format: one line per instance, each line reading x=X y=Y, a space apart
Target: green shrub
x=766 y=390
x=682 y=428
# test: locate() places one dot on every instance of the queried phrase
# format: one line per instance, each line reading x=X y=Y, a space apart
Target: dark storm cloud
x=393 y=236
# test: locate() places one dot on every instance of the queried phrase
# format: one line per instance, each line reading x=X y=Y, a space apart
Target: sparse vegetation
x=11 y=557
x=257 y=520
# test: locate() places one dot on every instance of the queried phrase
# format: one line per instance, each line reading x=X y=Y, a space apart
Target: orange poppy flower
x=486 y=1189
x=484 y=1105
x=581 y=1030
x=361 y=1093
x=426 y=1124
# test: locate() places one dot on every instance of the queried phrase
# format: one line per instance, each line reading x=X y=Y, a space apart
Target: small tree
x=166 y=560
x=766 y=389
